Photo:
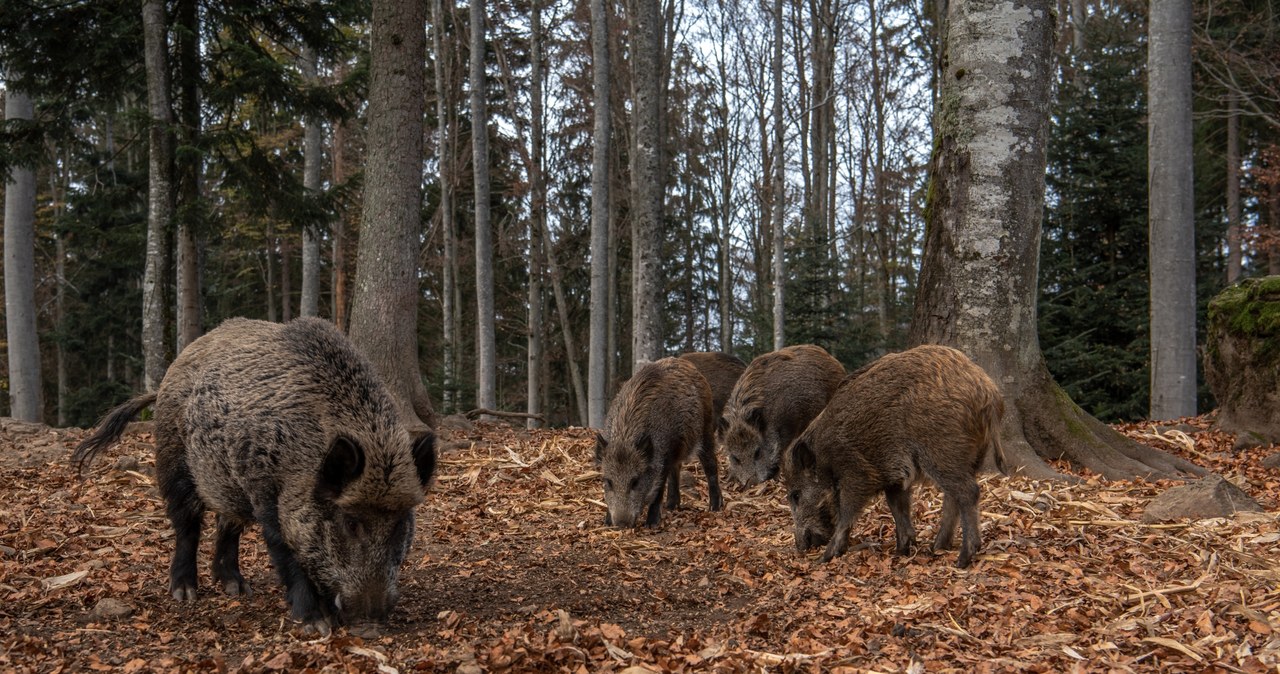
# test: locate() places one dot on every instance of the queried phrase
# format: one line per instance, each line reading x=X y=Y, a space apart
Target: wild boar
x=287 y=426
x=660 y=416
x=775 y=398
x=722 y=371
x=928 y=412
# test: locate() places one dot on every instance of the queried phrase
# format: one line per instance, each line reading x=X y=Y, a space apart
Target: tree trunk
x=537 y=140
x=1233 y=189
x=25 y=399
x=340 y=230
x=286 y=279
x=312 y=156
x=444 y=113
x=1273 y=207
x=188 y=168
x=271 y=273
x=1172 y=211
x=566 y=328
x=779 y=185
x=486 y=344
x=646 y=184
x=384 y=315
x=159 y=192
x=977 y=286
x=597 y=349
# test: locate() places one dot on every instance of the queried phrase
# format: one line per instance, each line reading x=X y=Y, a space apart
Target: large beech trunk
x=977 y=289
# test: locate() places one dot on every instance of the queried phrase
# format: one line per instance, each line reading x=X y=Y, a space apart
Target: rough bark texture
x=188 y=169
x=25 y=400
x=1172 y=211
x=486 y=345
x=977 y=288
x=597 y=360
x=312 y=156
x=646 y=184
x=384 y=312
x=159 y=192
x=1242 y=359
x=1233 y=189
x=779 y=185
x=539 y=203
x=444 y=115
x=340 y=230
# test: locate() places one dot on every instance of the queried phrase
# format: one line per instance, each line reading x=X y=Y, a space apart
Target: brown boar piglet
x=929 y=412
x=660 y=416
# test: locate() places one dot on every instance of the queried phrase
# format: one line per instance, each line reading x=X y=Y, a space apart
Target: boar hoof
x=183 y=592
x=318 y=627
x=236 y=587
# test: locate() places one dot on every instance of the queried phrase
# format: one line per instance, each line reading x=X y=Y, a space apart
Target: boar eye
x=757 y=452
x=794 y=497
x=608 y=484
x=355 y=528
x=635 y=482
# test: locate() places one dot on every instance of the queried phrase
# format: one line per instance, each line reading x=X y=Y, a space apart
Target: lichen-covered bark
x=646 y=184
x=25 y=401
x=977 y=287
x=159 y=192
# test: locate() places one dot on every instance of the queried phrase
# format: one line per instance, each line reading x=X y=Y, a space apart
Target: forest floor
x=512 y=571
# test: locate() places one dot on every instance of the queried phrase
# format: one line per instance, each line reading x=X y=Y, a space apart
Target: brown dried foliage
x=511 y=571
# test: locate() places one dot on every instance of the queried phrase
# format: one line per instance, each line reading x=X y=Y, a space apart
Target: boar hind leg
x=185 y=510
x=707 y=458
x=947 y=527
x=851 y=500
x=226 y=557
x=899 y=500
x=304 y=601
x=967 y=507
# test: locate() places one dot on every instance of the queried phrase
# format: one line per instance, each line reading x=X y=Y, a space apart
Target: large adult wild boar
x=721 y=370
x=660 y=416
x=287 y=426
x=928 y=412
x=778 y=394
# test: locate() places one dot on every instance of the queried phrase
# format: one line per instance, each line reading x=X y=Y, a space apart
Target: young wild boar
x=287 y=426
x=927 y=412
x=775 y=398
x=722 y=371
x=659 y=416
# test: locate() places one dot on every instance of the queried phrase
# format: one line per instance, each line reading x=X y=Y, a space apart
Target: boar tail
x=995 y=417
x=110 y=428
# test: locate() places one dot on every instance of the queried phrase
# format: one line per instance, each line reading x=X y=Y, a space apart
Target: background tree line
x=268 y=106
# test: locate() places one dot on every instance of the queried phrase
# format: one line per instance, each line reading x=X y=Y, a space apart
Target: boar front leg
x=655 y=508
x=305 y=604
x=851 y=499
x=707 y=457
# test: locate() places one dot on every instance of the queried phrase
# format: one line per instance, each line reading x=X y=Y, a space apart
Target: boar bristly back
x=929 y=412
x=658 y=418
x=286 y=426
x=778 y=394
x=722 y=371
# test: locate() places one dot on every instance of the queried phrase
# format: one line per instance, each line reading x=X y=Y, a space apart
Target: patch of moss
x=1250 y=308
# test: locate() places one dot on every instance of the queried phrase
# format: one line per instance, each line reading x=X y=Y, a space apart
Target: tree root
x=1044 y=424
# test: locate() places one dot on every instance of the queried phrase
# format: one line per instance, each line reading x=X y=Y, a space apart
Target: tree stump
x=1242 y=360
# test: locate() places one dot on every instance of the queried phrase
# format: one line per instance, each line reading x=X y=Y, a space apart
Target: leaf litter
x=512 y=570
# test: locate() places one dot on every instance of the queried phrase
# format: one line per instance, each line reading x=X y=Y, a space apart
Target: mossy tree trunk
x=977 y=288
x=1242 y=360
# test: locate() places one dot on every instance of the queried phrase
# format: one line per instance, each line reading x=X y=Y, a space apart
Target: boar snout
x=371 y=604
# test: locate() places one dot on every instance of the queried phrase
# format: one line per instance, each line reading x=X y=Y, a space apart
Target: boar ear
x=645 y=445
x=344 y=463
x=802 y=457
x=601 y=445
x=424 y=457
x=755 y=417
